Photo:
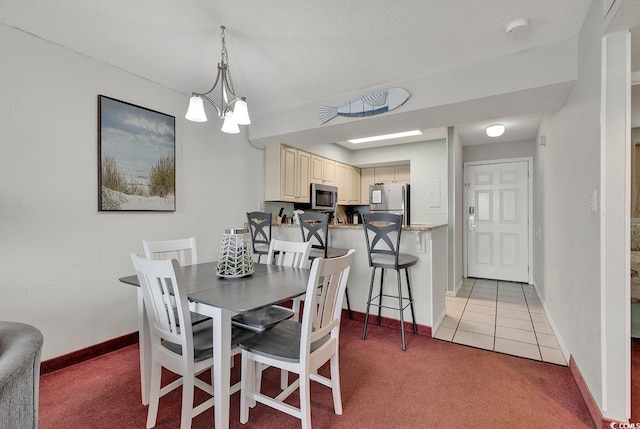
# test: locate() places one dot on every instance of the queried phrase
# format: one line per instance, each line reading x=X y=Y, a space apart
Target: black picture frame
x=136 y=158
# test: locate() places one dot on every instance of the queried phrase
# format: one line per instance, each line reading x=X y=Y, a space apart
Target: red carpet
x=434 y=384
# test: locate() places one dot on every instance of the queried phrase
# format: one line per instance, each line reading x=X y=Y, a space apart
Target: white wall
x=60 y=259
x=568 y=257
x=456 y=211
x=485 y=152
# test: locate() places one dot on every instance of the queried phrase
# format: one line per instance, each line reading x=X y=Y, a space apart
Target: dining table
x=221 y=298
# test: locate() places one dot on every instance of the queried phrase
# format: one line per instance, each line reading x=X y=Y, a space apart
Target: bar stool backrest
x=260 y=227
x=382 y=233
x=315 y=228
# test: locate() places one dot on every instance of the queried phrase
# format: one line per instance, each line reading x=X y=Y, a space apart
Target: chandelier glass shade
x=231 y=109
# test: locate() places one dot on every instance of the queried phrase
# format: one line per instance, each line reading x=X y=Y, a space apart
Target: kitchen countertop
x=412 y=227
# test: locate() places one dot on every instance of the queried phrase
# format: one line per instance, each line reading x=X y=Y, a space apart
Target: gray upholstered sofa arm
x=20 y=349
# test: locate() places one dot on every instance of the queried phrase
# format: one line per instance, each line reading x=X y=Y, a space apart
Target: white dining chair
x=183 y=250
x=287 y=254
x=175 y=344
x=301 y=347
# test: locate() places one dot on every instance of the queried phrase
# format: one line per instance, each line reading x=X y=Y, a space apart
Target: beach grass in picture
x=136 y=158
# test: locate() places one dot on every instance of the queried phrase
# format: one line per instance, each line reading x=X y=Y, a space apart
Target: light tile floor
x=505 y=317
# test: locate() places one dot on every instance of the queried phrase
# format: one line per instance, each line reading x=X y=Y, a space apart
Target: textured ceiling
x=286 y=53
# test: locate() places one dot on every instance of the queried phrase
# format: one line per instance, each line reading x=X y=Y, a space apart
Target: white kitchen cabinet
x=384 y=174
x=366 y=178
x=323 y=170
x=287 y=173
x=342 y=182
x=393 y=174
x=348 y=182
x=403 y=173
x=304 y=173
x=354 y=186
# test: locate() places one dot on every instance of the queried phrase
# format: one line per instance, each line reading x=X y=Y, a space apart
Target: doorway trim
x=465 y=238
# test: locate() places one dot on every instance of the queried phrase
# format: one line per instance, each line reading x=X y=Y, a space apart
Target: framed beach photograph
x=136 y=158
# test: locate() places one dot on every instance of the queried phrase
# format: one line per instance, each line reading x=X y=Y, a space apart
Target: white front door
x=497 y=213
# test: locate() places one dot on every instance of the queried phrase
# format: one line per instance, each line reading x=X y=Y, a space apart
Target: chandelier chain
x=225 y=60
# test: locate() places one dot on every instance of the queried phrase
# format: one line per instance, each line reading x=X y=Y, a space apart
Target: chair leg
x=284 y=379
x=154 y=394
x=380 y=298
x=305 y=400
x=366 y=314
x=335 y=384
x=188 y=386
x=404 y=345
x=246 y=386
x=346 y=295
x=413 y=317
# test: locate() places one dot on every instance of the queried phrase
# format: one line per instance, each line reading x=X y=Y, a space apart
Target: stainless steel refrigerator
x=391 y=198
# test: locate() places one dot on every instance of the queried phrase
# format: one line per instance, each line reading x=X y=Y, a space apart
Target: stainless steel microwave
x=324 y=197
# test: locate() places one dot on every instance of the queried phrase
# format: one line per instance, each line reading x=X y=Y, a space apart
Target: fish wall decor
x=373 y=103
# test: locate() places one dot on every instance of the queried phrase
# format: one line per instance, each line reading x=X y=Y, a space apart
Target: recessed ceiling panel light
x=386 y=137
x=495 y=130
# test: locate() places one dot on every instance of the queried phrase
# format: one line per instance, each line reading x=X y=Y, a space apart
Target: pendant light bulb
x=229 y=126
x=241 y=113
x=196 y=112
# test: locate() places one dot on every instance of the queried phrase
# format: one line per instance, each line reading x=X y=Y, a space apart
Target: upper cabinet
x=354 y=186
x=367 y=178
x=323 y=170
x=348 y=183
x=371 y=176
x=398 y=173
x=287 y=173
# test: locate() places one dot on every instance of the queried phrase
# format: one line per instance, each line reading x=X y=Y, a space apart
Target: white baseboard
x=561 y=344
x=436 y=325
x=457 y=289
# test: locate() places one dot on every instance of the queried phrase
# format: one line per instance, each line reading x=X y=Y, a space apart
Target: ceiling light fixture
x=233 y=111
x=519 y=25
x=495 y=130
x=386 y=137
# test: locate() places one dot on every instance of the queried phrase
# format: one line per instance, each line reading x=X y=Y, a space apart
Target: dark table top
x=268 y=285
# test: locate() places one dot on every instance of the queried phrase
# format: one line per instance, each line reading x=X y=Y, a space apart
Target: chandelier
x=233 y=111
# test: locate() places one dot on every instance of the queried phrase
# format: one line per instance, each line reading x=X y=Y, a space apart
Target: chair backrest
x=260 y=228
x=315 y=228
x=382 y=232
x=323 y=302
x=289 y=253
x=184 y=250
x=162 y=285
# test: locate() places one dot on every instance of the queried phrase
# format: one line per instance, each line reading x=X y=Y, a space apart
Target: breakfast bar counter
x=428 y=277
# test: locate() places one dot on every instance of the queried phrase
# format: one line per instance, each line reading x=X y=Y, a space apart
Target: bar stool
x=260 y=228
x=315 y=228
x=382 y=232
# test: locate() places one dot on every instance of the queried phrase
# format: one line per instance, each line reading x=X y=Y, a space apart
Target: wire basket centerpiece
x=236 y=259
